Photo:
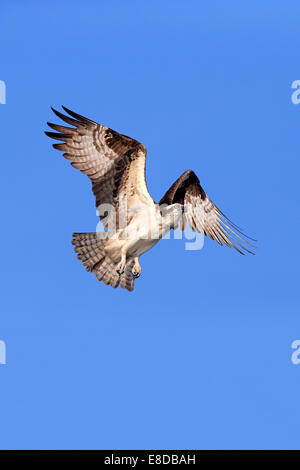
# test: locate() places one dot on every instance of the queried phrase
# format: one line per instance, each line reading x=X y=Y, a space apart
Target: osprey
x=133 y=222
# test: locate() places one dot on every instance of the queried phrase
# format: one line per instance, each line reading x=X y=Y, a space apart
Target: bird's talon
x=120 y=268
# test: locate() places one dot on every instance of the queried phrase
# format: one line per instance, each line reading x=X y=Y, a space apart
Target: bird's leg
x=136 y=270
x=121 y=266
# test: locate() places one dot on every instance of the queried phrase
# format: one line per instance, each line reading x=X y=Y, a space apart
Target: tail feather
x=90 y=249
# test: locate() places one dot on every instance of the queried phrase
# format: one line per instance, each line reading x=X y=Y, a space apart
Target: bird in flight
x=133 y=222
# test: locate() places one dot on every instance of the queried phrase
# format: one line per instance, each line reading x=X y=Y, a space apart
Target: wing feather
x=101 y=153
x=203 y=215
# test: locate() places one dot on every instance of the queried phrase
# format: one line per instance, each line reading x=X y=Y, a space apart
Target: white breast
x=145 y=229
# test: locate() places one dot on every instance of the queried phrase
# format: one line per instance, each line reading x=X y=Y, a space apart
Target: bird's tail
x=90 y=249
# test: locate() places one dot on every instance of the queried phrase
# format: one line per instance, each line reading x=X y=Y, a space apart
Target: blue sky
x=199 y=356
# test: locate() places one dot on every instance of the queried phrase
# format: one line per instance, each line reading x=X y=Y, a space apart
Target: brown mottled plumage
x=115 y=165
x=188 y=192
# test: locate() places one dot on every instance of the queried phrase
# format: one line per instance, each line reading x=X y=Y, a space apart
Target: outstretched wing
x=105 y=156
x=202 y=215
